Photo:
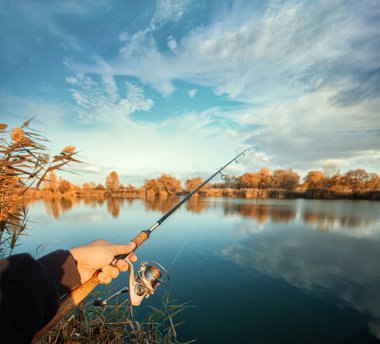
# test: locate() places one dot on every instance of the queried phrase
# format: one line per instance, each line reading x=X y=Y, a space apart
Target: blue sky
x=146 y=87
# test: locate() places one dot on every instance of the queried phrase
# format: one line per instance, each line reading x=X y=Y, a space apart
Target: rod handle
x=138 y=240
x=69 y=303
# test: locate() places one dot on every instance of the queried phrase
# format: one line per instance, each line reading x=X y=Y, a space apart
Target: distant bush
x=320 y=193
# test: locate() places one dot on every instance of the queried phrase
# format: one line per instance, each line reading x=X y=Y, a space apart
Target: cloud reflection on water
x=343 y=265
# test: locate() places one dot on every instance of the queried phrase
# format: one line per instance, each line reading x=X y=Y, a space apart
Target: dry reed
x=24 y=163
x=117 y=323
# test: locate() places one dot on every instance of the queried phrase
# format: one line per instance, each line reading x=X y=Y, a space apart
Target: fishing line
x=178 y=253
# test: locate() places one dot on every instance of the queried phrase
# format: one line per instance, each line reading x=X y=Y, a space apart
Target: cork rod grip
x=139 y=239
x=69 y=303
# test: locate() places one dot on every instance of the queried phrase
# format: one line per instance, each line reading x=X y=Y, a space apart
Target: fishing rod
x=148 y=277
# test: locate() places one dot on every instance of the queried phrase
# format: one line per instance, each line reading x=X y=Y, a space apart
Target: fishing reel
x=150 y=275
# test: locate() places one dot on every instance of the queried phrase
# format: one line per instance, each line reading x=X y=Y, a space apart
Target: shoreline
x=316 y=193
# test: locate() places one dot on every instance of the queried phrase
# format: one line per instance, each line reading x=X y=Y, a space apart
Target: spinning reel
x=142 y=285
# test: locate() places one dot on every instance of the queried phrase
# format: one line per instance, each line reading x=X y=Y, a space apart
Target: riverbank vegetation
x=354 y=184
x=24 y=166
x=117 y=323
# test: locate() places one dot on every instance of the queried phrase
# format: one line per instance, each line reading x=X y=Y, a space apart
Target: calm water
x=291 y=271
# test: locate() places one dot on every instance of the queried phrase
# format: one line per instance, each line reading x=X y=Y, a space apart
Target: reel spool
x=148 y=278
x=150 y=275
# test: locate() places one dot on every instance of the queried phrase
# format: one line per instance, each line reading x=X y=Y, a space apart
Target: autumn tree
x=100 y=187
x=265 y=178
x=315 y=179
x=192 y=183
x=64 y=186
x=166 y=183
x=334 y=182
x=330 y=169
x=152 y=187
x=373 y=182
x=286 y=179
x=355 y=179
x=169 y=184
x=112 y=181
x=52 y=182
x=249 y=180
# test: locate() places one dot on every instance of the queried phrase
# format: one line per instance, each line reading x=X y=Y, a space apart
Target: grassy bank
x=117 y=323
x=253 y=193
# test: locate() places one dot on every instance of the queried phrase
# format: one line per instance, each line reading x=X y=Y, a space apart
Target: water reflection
x=322 y=218
x=56 y=207
x=197 y=205
x=261 y=212
x=162 y=205
x=327 y=220
x=275 y=237
x=340 y=264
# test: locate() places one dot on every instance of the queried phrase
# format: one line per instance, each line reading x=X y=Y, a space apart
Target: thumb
x=122 y=249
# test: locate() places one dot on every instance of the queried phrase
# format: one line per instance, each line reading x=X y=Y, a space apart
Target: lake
x=272 y=271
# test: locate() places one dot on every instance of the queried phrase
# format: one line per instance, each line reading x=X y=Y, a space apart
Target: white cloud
x=179 y=145
x=172 y=43
x=264 y=57
x=168 y=10
x=101 y=101
x=86 y=168
x=301 y=69
x=71 y=80
x=305 y=132
x=192 y=92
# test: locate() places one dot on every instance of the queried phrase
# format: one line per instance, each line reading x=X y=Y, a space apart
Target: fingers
x=104 y=278
x=121 y=265
x=110 y=270
x=107 y=274
x=99 y=242
x=133 y=257
x=122 y=249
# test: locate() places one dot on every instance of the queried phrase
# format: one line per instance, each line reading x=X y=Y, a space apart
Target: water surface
x=273 y=271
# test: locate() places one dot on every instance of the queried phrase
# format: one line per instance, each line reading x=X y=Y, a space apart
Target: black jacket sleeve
x=30 y=292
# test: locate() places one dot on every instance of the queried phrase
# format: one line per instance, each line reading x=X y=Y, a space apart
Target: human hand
x=98 y=255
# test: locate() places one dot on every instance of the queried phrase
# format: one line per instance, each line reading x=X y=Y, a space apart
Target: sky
x=180 y=86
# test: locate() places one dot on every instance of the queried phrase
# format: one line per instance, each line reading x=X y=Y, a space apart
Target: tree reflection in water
x=323 y=219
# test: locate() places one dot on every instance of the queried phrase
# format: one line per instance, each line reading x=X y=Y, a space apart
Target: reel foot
x=99 y=302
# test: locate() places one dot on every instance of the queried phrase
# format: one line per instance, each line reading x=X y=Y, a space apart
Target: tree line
x=280 y=183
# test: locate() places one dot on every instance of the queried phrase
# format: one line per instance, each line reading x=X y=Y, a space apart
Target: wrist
x=85 y=273
x=63 y=268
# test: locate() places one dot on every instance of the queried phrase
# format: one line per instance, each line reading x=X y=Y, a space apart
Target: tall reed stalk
x=24 y=164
